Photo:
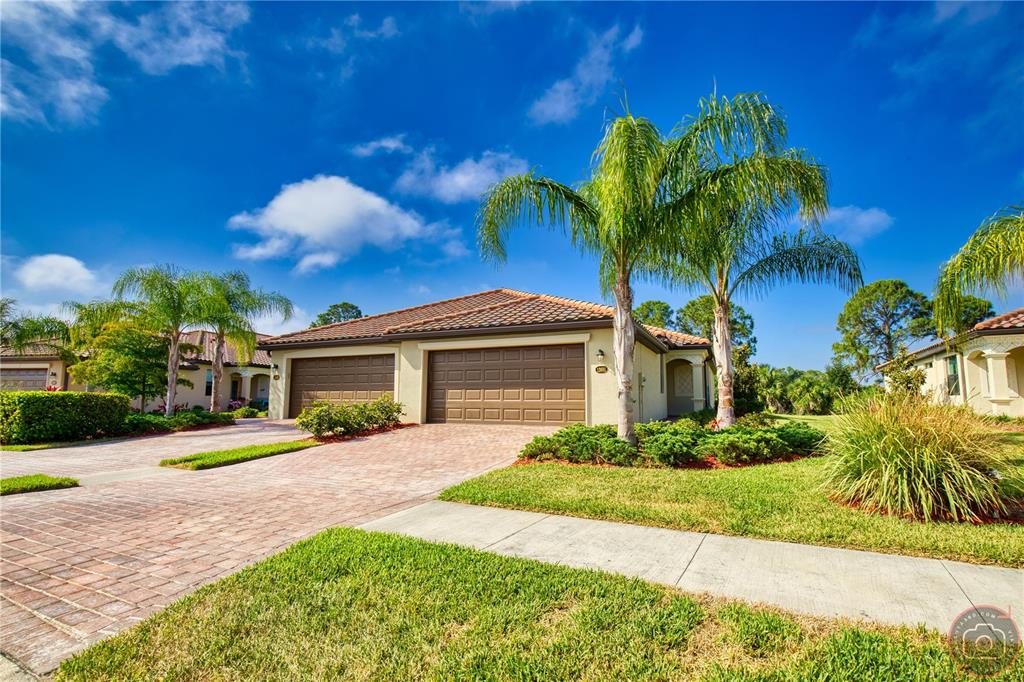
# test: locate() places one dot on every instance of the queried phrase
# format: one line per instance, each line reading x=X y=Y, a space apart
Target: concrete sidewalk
x=819 y=581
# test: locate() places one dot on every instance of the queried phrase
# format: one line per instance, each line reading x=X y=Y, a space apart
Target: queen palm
x=643 y=193
x=993 y=258
x=171 y=302
x=235 y=304
x=731 y=200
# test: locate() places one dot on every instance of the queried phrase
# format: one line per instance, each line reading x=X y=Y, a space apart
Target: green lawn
x=34 y=483
x=783 y=501
x=220 y=458
x=352 y=605
x=29 y=447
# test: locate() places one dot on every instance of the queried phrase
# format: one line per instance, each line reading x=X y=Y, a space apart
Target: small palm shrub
x=901 y=454
x=584 y=444
x=800 y=438
x=756 y=420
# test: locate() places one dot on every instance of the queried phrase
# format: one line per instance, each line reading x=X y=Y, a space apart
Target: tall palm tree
x=733 y=183
x=172 y=302
x=993 y=258
x=235 y=305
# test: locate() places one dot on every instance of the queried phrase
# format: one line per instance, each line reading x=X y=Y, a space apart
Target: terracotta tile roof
x=207 y=342
x=35 y=350
x=1011 y=320
x=484 y=310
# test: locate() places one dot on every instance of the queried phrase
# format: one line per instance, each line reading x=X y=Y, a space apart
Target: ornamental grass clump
x=899 y=453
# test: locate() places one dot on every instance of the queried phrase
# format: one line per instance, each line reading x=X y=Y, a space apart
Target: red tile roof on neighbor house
x=207 y=342
x=495 y=309
x=1011 y=320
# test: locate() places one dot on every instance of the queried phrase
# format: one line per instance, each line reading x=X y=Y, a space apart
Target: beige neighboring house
x=499 y=356
x=38 y=367
x=985 y=370
x=35 y=368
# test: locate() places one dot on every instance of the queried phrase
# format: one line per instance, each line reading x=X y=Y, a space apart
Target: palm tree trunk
x=218 y=373
x=624 y=341
x=722 y=346
x=172 y=374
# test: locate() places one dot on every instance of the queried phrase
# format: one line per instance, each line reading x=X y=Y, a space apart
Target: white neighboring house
x=985 y=370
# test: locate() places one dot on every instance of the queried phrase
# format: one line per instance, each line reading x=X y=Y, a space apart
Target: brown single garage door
x=352 y=379
x=23 y=379
x=518 y=385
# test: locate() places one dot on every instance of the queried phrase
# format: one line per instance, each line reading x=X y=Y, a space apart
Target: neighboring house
x=38 y=367
x=498 y=356
x=34 y=368
x=984 y=370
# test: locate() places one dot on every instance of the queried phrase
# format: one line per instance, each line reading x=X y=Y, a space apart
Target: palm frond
x=745 y=123
x=530 y=199
x=808 y=257
x=992 y=259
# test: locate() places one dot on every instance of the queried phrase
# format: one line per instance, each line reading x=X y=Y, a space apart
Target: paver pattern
x=78 y=565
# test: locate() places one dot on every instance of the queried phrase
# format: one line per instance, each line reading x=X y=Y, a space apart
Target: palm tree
x=733 y=181
x=993 y=258
x=172 y=302
x=21 y=332
x=235 y=304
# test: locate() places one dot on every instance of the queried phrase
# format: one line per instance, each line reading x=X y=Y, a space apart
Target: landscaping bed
x=779 y=502
x=347 y=604
x=220 y=458
x=32 y=483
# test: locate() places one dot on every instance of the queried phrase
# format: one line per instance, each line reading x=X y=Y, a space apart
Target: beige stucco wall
x=411 y=375
x=991 y=374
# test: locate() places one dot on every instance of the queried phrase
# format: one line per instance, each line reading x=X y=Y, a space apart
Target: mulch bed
x=708 y=463
x=363 y=434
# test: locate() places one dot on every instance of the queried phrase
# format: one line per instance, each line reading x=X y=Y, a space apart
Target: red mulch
x=1015 y=515
x=364 y=434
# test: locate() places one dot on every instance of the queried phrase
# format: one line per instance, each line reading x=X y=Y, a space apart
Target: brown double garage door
x=517 y=385
x=513 y=385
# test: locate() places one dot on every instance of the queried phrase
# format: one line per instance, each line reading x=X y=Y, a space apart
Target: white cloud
x=388 y=28
x=56 y=78
x=56 y=272
x=562 y=102
x=275 y=324
x=856 y=225
x=326 y=219
x=388 y=145
x=465 y=181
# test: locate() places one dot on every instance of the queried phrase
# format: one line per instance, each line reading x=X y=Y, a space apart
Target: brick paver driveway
x=80 y=564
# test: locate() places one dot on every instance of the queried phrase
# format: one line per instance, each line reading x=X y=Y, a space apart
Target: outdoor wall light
x=274 y=367
x=600 y=355
x=53 y=374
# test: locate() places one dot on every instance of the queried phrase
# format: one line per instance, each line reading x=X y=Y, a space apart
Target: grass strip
x=220 y=458
x=35 y=483
x=351 y=605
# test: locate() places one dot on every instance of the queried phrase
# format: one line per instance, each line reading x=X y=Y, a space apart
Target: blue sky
x=337 y=151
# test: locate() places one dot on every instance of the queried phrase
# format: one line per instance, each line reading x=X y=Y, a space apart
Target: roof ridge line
x=575 y=302
x=995 y=319
x=437 y=318
x=389 y=312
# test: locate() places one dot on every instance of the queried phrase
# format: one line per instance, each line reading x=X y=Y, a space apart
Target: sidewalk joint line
x=516 y=532
x=703 y=537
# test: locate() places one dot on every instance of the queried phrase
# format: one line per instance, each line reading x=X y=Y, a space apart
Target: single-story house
x=499 y=356
x=984 y=369
x=39 y=367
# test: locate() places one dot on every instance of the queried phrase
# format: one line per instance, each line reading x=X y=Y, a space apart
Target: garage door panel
x=340 y=380
x=534 y=384
x=23 y=379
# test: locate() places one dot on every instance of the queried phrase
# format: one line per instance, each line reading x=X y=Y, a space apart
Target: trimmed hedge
x=157 y=423
x=348 y=419
x=672 y=444
x=44 y=416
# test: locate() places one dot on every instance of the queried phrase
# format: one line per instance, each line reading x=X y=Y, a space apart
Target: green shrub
x=741 y=445
x=147 y=423
x=756 y=420
x=582 y=443
x=245 y=413
x=43 y=416
x=800 y=438
x=901 y=454
x=671 y=447
x=326 y=419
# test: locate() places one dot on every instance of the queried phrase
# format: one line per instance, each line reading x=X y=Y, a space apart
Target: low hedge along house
x=498 y=356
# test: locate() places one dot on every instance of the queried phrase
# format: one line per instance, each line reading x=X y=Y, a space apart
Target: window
x=209 y=382
x=952 y=375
